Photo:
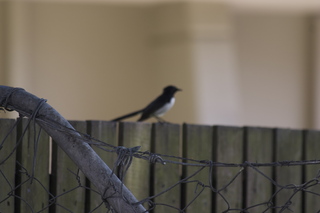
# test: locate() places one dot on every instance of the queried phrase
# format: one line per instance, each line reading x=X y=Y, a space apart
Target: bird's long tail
x=127 y=115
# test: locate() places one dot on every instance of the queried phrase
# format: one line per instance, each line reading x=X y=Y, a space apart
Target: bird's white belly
x=165 y=108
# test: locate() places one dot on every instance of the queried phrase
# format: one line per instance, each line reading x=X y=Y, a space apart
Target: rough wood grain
x=259 y=148
x=107 y=132
x=312 y=147
x=197 y=144
x=30 y=147
x=228 y=143
x=137 y=179
x=7 y=168
x=288 y=148
x=166 y=140
x=64 y=178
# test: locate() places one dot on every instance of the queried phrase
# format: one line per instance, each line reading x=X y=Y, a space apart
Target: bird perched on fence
x=156 y=108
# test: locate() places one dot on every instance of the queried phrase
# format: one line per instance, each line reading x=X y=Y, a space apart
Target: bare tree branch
x=113 y=192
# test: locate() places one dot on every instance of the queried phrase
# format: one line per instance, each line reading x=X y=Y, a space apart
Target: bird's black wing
x=148 y=111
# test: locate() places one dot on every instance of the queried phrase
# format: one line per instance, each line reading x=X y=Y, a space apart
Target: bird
x=157 y=108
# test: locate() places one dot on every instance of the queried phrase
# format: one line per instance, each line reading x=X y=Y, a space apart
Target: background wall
x=2 y=43
x=102 y=60
x=274 y=52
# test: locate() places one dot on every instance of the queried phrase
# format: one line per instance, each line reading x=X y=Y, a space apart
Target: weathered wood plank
x=7 y=168
x=312 y=147
x=64 y=178
x=33 y=191
x=166 y=140
x=228 y=142
x=197 y=144
x=137 y=178
x=288 y=148
x=259 y=147
x=107 y=132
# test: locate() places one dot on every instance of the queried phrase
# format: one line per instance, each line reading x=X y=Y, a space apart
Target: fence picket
x=166 y=139
x=259 y=147
x=33 y=191
x=107 y=132
x=288 y=148
x=228 y=149
x=312 y=147
x=7 y=175
x=65 y=177
x=197 y=144
x=137 y=179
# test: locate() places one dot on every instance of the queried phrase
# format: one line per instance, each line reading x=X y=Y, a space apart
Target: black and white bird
x=156 y=108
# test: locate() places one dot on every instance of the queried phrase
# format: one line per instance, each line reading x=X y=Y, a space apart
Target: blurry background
x=238 y=62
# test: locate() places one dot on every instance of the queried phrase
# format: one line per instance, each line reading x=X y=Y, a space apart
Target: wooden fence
x=55 y=178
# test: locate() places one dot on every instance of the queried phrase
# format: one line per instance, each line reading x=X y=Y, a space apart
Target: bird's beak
x=179 y=89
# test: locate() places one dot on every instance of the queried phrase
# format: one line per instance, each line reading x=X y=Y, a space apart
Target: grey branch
x=113 y=191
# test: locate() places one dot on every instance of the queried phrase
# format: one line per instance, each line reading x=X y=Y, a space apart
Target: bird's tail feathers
x=128 y=115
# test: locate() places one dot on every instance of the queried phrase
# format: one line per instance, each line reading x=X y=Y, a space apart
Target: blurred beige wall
x=2 y=43
x=274 y=52
x=84 y=58
x=315 y=81
x=100 y=60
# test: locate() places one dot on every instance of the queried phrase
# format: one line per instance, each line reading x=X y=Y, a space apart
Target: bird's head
x=171 y=89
